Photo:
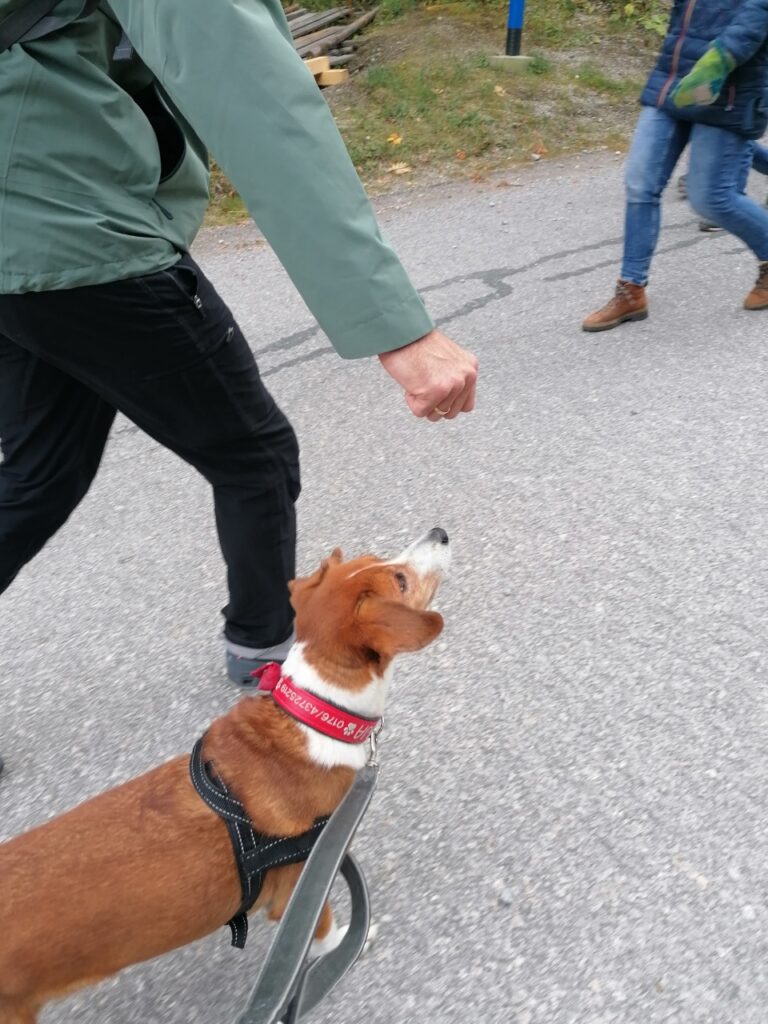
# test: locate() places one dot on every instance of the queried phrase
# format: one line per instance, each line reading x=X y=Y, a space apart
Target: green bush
x=651 y=14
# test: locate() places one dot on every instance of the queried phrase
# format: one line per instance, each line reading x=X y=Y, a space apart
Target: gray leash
x=288 y=987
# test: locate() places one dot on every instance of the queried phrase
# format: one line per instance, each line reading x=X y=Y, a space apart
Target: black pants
x=164 y=350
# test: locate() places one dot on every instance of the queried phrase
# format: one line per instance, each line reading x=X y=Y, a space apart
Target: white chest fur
x=368 y=703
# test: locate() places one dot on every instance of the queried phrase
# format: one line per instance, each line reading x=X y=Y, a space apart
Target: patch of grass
x=539 y=65
x=591 y=77
x=479 y=60
x=413 y=113
x=389 y=9
x=551 y=22
x=226 y=206
x=423 y=96
x=652 y=15
x=432 y=100
x=227 y=211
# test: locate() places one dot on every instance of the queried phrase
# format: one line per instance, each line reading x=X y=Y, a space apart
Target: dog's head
x=356 y=616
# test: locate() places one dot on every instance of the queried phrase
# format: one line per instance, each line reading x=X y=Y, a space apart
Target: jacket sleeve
x=747 y=30
x=232 y=70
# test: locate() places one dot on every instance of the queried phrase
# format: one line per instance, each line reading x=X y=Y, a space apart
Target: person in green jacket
x=107 y=117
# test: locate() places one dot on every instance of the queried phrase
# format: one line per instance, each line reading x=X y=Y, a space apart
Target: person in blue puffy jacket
x=709 y=91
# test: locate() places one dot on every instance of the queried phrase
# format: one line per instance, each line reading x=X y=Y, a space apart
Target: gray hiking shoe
x=242 y=662
x=709 y=226
x=240 y=670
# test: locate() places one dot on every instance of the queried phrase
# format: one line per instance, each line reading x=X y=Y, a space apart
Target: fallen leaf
x=400 y=169
x=394 y=139
x=460 y=154
x=500 y=90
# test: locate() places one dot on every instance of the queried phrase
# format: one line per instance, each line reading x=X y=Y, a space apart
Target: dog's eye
x=402 y=581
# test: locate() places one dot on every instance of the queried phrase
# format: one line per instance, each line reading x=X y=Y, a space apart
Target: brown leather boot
x=628 y=303
x=758 y=297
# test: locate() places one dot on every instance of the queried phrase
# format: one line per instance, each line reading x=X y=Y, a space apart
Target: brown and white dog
x=147 y=867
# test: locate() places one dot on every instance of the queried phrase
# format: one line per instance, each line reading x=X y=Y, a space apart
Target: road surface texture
x=571 y=826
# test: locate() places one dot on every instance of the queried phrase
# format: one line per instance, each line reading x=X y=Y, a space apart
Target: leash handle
x=286 y=986
x=322 y=974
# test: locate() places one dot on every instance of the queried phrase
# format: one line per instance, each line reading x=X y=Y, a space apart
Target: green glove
x=705 y=81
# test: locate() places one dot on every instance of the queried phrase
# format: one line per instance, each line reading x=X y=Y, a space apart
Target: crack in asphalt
x=496 y=281
x=498 y=287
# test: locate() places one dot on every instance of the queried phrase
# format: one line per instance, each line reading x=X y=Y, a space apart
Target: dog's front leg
x=278 y=888
x=335 y=934
x=327 y=934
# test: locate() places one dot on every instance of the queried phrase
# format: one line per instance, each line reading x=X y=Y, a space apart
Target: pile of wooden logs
x=323 y=39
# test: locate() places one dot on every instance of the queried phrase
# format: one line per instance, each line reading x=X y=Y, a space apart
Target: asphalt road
x=571 y=825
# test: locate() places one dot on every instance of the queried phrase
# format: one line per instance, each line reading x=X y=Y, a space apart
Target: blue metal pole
x=515 y=27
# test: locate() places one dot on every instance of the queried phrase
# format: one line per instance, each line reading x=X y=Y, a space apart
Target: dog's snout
x=430 y=553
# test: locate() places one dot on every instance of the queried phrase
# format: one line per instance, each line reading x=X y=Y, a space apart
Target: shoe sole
x=239 y=674
x=755 y=309
x=640 y=315
x=247 y=683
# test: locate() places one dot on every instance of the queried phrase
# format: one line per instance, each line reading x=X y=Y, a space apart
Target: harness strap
x=34 y=20
x=255 y=853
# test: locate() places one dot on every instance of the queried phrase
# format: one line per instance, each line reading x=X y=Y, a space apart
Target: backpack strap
x=34 y=20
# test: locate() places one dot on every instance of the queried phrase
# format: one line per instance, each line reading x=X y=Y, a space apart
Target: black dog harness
x=254 y=852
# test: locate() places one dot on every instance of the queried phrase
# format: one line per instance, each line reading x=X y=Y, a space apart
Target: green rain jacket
x=103 y=174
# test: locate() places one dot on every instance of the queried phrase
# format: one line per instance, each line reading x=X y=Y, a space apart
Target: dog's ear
x=296 y=586
x=390 y=627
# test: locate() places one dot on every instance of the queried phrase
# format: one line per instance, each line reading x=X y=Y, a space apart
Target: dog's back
x=75 y=896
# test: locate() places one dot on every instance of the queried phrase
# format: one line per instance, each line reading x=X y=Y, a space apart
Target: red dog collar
x=307 y=708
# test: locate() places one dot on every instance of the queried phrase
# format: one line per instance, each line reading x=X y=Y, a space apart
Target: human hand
x=705 y=81
x=437 y=375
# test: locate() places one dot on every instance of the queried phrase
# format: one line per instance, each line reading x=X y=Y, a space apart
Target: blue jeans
x=760 y=158
x=719 y=164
